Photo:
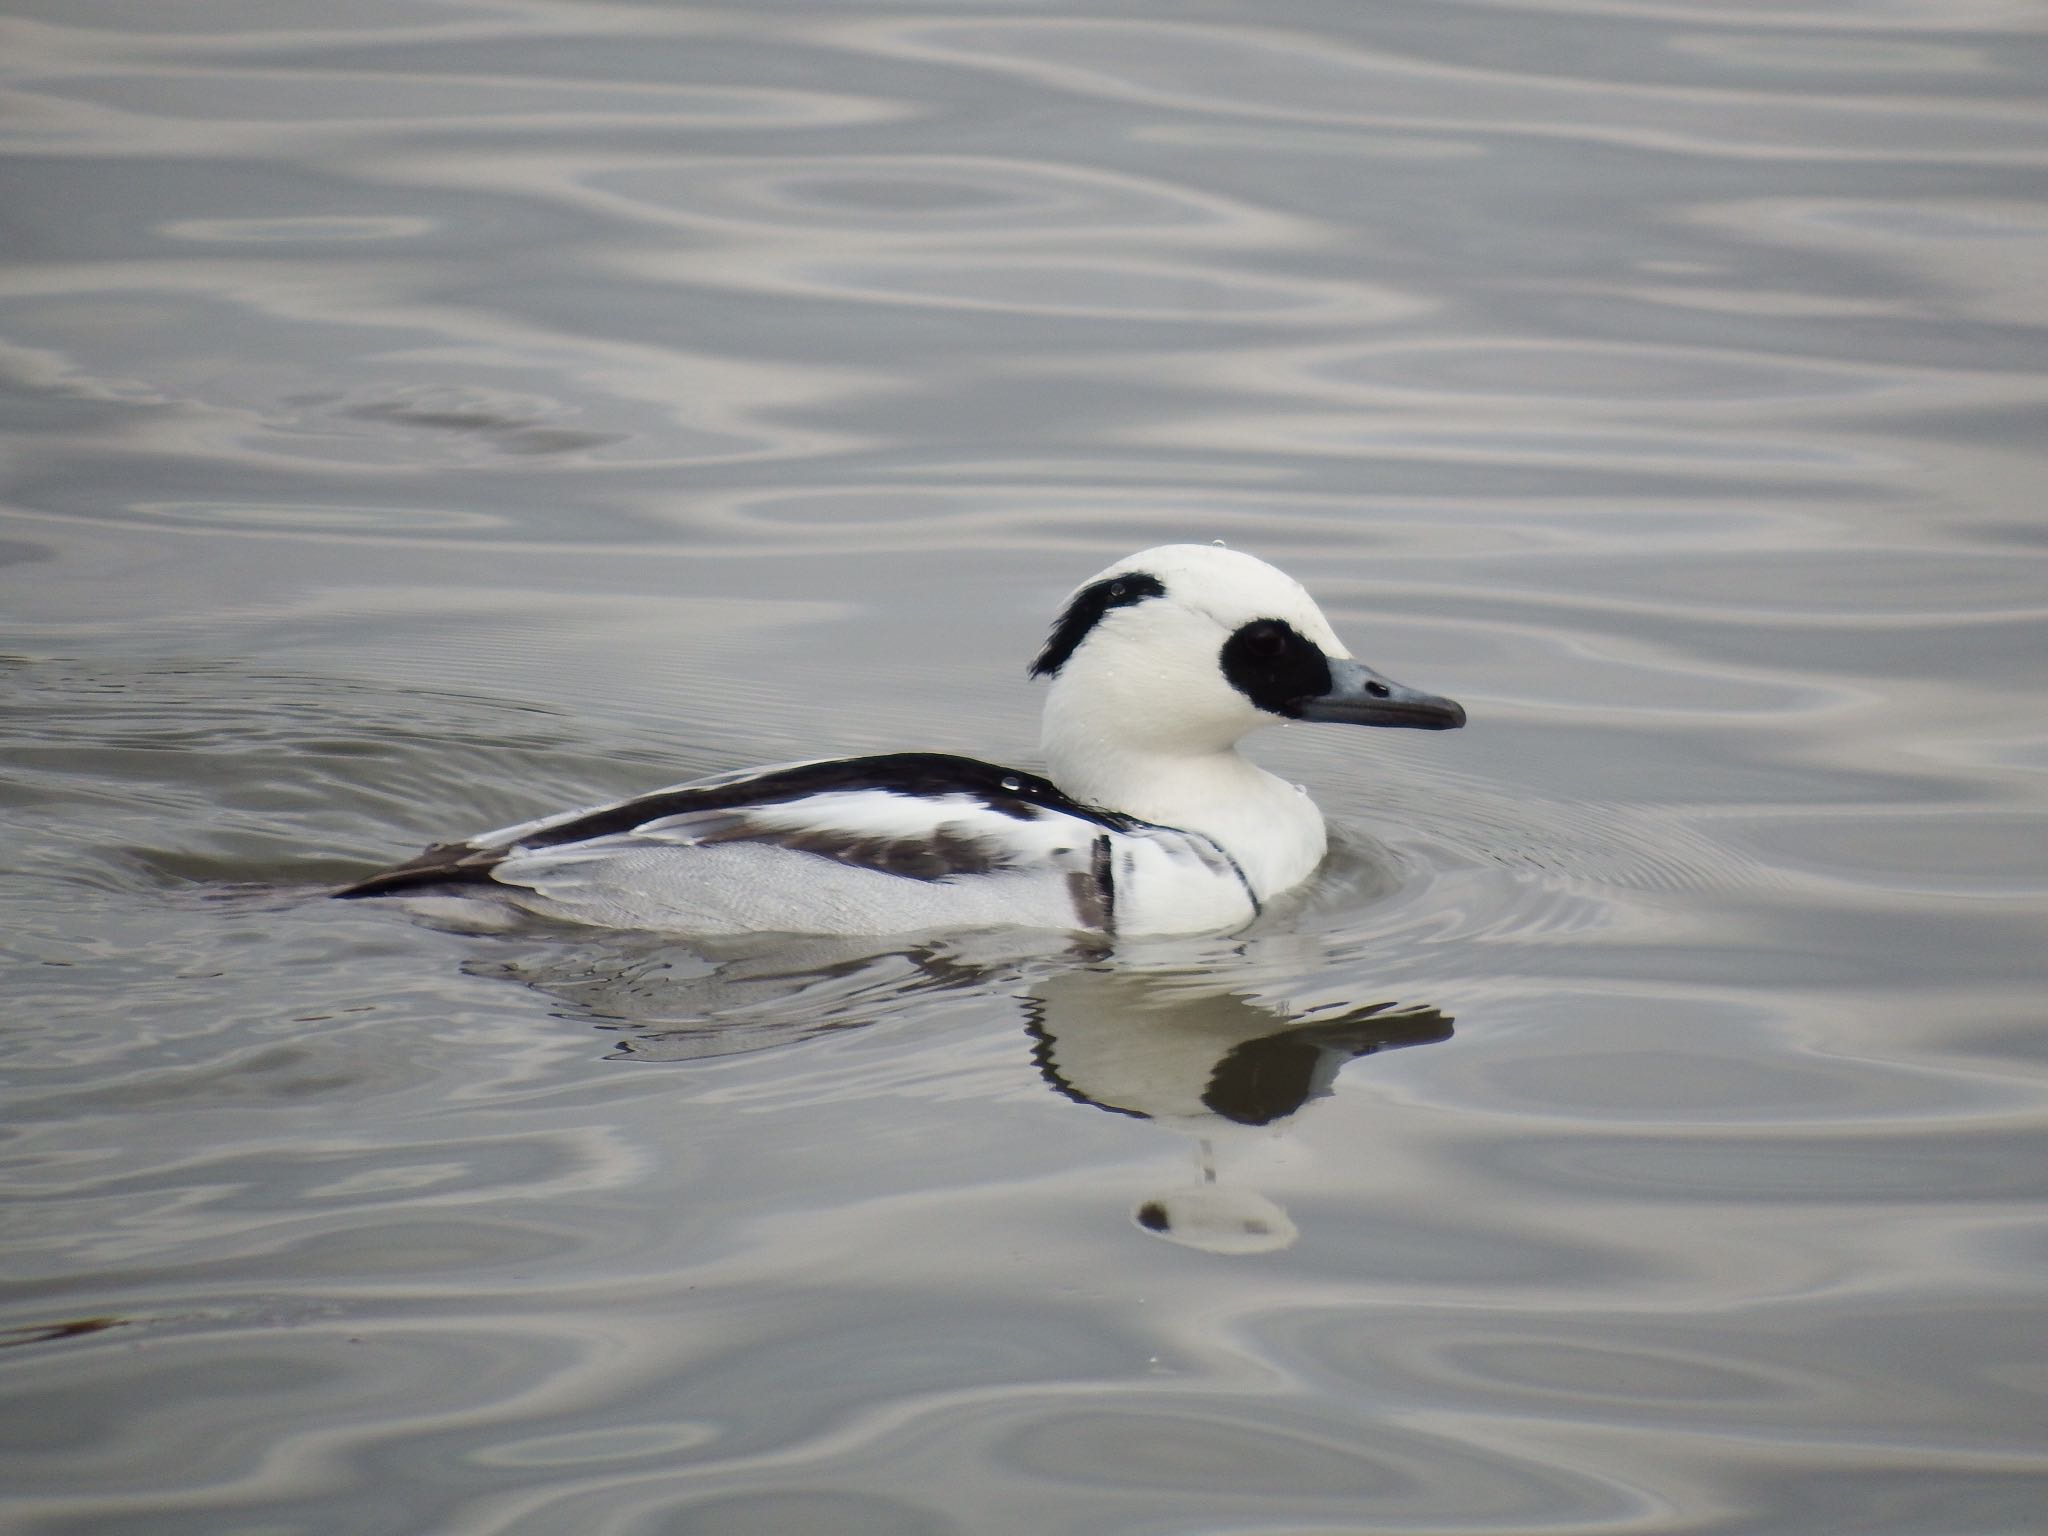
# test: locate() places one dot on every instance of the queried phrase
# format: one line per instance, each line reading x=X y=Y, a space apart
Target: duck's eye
x=1377 y=689
x=1275 y=667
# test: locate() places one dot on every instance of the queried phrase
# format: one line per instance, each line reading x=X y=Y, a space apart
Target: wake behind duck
x=1148 y=822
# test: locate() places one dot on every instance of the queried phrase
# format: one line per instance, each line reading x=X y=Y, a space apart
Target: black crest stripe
x=1086 y=611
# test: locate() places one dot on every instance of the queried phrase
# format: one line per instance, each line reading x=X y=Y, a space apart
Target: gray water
x=421 y=416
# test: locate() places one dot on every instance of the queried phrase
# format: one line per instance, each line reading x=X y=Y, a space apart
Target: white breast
x=1169 y=881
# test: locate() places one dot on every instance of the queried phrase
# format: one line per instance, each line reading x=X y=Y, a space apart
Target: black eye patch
x=1274 y=667
x=1086 y=611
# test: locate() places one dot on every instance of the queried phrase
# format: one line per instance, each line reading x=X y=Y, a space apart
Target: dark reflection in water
x=1181 y=1047
x=668 y=1000
x=45 y=1333
x=1206 y=1060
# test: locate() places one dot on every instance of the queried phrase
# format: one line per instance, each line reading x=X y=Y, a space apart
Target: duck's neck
x=1271 y=828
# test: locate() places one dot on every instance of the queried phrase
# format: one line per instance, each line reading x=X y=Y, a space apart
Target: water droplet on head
x=1012 y=783
x=1301 y=789
x=1219 y=544
x=1116 y=589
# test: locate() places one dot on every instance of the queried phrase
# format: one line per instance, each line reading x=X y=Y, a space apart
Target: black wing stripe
x=1006 y=791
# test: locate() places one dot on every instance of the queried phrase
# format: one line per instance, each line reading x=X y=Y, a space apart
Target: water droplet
x=1012 y=783
x=1219 y=544
x=1116 y=589
x=1301 y=789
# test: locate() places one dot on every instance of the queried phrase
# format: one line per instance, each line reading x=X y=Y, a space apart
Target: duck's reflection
x=662 y=1001
x=1169 y=1039
x=1208 y=1061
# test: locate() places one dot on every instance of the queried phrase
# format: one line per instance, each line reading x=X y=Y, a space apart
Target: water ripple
x=1250 y=71
x=309 y=103
x=421 y=417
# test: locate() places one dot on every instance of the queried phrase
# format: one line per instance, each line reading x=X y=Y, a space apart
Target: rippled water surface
x=421 y=415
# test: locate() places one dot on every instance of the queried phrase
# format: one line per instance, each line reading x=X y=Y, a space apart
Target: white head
x=1182 y=650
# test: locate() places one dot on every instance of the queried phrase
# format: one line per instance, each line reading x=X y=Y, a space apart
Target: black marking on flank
x=1102 y=868
x=1224 y=860
x=1250 y=895
x=1086 y=611
x=1094 y=890
x=944 y=851
x=1006 y=791
x=1275 y=667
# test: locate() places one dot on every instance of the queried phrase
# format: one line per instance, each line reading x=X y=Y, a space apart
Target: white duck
x=1150 y=822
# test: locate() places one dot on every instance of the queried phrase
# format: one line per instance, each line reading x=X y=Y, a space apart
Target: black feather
x=1086 y=611
x=1006 y=791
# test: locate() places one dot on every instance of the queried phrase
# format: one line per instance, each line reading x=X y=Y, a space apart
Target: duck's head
x=1186 y=648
